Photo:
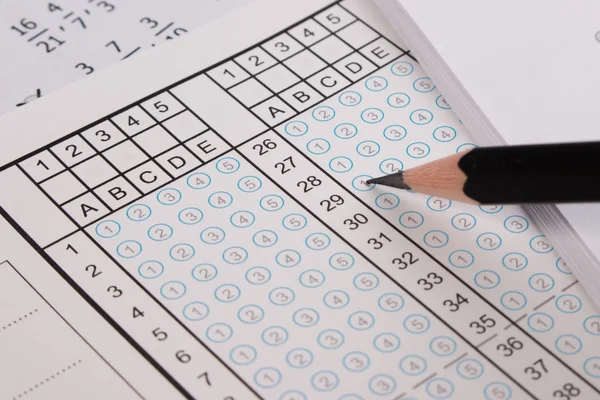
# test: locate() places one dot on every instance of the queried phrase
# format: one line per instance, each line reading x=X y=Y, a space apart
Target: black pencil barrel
x=553 y=173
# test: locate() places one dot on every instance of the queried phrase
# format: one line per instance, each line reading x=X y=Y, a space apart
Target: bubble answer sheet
x=195 y=223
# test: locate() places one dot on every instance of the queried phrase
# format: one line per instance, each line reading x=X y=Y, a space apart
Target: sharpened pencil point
x=394 y=180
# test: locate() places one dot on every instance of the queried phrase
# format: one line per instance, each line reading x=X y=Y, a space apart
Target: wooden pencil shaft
x=441 y=178
x=556 y=173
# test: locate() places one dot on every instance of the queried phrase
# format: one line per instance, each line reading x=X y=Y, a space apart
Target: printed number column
x=175 y=351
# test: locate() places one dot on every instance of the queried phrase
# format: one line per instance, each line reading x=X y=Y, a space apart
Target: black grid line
x=159 y=123
x=119 y=173
x=82 y=182
x=150 y=158
x=171 y=116
x=257 y=81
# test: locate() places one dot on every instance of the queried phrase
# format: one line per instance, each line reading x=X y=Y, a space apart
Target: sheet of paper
x=206 y=202
x=47 y=45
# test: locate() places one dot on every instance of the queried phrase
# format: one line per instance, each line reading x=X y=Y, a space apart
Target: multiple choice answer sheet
x=201 y=228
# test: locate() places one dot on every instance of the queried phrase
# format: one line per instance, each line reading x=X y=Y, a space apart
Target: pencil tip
x=374 y=181
x=395 y=180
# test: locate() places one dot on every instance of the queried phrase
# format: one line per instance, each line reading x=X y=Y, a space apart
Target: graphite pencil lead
x=394 y=180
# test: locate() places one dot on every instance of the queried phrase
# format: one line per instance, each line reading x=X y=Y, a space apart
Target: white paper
x=240 y=226
x=79 y=37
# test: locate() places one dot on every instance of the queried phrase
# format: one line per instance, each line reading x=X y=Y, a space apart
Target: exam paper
x=207 y=209
x=47 y=45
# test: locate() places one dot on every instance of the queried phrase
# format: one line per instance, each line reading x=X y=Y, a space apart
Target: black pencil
x=549 y=173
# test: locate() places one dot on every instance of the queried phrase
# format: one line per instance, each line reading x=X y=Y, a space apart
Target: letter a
x=85 y=209
x=274 y=111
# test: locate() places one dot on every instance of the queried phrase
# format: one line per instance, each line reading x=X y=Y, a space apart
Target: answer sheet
x=195 y=223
